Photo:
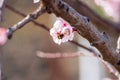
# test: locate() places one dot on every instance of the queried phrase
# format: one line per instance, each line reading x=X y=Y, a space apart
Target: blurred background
x=19 y=59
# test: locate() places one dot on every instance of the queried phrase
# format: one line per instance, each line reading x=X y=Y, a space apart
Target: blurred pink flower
x=36 y=1
x=3 y=36
x=62 y=31
x=111 y=7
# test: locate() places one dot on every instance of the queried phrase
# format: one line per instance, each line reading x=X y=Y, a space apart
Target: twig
x=110 y=68
x=59 y=55
x=24 y=15
x=86 y=48
x=14 y=10
x=39 y=11
x=46 y=28
x=87 y=29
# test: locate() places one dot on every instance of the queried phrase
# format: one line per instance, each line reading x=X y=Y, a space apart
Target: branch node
x=48 y=9
x=10 y=32
x=105 y=36
x=86 y=19
x=118 y=63
x=95 y=43
x=60 y=4
x=33 y=16
x=66 y=8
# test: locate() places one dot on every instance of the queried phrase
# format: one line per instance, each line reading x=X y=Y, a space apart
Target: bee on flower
x=62 y=31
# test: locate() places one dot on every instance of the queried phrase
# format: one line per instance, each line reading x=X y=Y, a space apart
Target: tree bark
x=100 y=22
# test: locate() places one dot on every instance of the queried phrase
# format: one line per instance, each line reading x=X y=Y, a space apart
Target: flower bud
x=3 y=36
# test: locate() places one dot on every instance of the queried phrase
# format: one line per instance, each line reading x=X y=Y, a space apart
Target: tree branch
x=87 y=29
x=100 y=22
x=24 y=15
x=39 y=11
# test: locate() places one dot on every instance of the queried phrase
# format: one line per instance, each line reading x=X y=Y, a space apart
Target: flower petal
x=61 y=31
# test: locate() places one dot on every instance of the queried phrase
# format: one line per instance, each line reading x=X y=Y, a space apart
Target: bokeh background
x=19 y=59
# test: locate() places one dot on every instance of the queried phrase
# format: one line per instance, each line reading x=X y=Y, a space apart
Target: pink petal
x=3 y=36
x=111 y=8
x=61 y=27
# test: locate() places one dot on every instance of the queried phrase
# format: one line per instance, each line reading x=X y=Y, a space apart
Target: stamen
x=60 y=36
x=64 y=24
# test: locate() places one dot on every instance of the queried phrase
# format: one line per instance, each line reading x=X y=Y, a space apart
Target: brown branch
x=24 y=15
x=100 y=22
x=47 y=29
x=60 y=8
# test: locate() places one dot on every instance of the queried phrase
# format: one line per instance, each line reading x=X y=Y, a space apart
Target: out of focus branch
x=78 y=54
x=87 y=29
x=61 y=55
x=1 y=8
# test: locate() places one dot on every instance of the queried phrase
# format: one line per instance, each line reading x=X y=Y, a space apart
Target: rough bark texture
x=85 y=27
x=100 y=22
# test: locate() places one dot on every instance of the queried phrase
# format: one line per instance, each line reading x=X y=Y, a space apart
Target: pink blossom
x=3 y=36
x=111 y=7
x=62 y=31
